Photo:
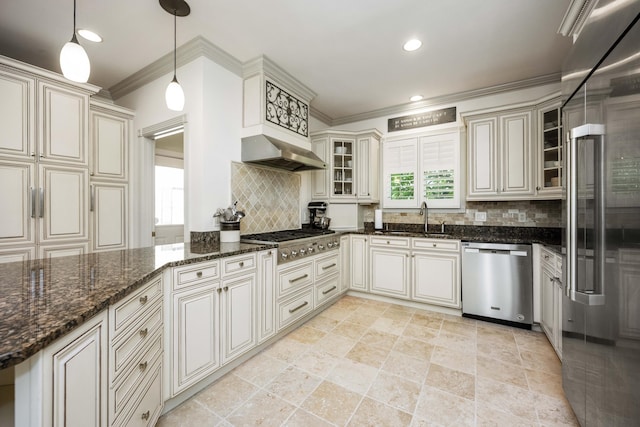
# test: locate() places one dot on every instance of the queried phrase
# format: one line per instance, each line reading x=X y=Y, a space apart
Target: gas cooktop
x=285 y=235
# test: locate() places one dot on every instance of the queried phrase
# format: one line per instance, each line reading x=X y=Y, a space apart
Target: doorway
x=169 y=188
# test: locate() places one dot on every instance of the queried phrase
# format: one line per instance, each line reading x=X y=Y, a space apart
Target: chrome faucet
x=424 y=210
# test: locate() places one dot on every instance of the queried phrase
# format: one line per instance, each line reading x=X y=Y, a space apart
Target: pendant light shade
x=74 y=61
x=174 y=95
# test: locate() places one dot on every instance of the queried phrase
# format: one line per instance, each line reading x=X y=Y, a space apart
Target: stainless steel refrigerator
x=601 y=206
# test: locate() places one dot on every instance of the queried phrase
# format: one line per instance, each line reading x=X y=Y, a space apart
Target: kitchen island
x=42 y=300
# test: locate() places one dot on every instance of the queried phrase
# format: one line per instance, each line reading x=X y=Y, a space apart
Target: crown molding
x=193 y=49
x=575 y=17
x=263 y=65
x=319 y=115
x=441 y=100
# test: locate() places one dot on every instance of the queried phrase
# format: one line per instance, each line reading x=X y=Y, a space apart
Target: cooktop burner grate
x=286 y=235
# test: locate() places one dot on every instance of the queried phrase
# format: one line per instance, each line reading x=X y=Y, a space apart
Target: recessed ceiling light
x=89 y=35
x=415 y=98
x=412 y=45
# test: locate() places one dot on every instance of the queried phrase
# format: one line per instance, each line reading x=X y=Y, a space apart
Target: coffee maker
x=317 y=211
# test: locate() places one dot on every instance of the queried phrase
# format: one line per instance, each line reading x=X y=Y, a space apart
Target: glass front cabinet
x=352 y=166
x=550 y=151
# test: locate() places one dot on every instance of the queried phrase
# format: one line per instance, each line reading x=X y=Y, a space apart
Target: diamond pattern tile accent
x=270 y=198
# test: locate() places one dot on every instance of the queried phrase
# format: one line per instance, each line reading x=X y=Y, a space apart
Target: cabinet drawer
x=185 y=276
x=123 y=392
x=395 y=242
x=440 y=244
x=294 y=278
x=133 y=342
x=128 y=312
x=147 y=409
x=327 y=266
x=294 y=308
x=326 y=291
x=548 y=259
x=239 y=264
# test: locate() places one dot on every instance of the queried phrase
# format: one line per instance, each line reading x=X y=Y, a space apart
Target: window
x=169 y=195
x=426 y=168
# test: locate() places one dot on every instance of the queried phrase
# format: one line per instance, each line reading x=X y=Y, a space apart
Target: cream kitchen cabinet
x=66 y=384
x=551 y=298
x=352 y=166
x=359 y=266
x=213 y=317
x=345 y=263
x=266 y=294
x=435 y=272
x=550 y=161
x=43 y=161
x=135 y=356
x=326 y=278
x=109 y=148
x=390 y=263
x=108 y=207
x=500 y=156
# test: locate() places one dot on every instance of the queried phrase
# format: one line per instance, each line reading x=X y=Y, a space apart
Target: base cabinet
x=238 y=316
x=551 y=298
x=389 y=272
x=359 y=265
x=434 y=278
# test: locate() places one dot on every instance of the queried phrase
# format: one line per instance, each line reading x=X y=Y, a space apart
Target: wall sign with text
x=430 y=118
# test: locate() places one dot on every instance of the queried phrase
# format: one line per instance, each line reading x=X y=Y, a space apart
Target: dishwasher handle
x=496 y=252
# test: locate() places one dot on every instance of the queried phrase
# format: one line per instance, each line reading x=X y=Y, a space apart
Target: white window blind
x=400 y=173
x=440 y=170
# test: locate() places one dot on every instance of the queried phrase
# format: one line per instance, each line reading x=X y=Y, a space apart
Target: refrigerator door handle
x=596 y=296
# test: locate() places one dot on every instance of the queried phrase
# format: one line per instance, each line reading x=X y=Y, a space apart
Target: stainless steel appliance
x=601 y=306
x=497 y=283
x=317 y=214
x=297 y=244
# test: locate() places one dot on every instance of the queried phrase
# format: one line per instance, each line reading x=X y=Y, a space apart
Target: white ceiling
x=347 y=51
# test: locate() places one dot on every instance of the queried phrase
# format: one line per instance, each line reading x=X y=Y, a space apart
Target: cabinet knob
x=218 y=290
x=144 y=299
x=145 y=415
x=434 y=245
x=388 y=243
x=199 y=274
x=538 y=188
x=241 y=264
x=144 y=332
x=226 y=288
x=143 y=366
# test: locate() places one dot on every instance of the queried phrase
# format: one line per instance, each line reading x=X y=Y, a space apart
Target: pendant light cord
x=74 y=17
x=175 y=42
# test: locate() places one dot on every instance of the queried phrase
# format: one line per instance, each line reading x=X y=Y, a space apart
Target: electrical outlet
x=522 y=217
x=481 y=216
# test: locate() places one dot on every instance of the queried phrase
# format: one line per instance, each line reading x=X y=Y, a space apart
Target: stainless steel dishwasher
x=497 y=282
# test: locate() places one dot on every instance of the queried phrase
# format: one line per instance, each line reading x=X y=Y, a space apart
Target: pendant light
x=74 y=61
x=174 y=95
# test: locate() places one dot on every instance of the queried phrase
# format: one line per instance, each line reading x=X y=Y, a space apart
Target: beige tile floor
x=368 y=363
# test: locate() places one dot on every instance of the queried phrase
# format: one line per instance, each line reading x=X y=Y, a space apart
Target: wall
x=538 y=213
x=213 y=109
x=269 y=198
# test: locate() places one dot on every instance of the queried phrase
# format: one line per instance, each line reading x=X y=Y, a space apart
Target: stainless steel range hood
x=268 y=151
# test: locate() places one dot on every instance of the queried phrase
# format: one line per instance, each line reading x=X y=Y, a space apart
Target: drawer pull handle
x=333 y=288
x=293 y=310
x=326 y=267
x=199 y=274
x=145 y=415
x=144 y=299
x=241 y=264
x=143 y=366
x=304 y=276
x=143 y=332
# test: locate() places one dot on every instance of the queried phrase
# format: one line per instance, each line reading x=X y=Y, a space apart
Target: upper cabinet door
x=62 y=199
x=65 y=135
x=517 y=158
x=109 y=146
x=17 y=115
x=17 y=192
x=368 y=169
x=483 y=157
x=320 y=178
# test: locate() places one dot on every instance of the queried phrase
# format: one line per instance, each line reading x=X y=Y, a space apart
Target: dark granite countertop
x=488 y=234
x=42 y=300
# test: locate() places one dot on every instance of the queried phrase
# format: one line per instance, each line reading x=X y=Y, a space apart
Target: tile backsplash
x=270 y=198
x=521 y=213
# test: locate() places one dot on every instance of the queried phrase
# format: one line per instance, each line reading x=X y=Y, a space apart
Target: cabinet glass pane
x=342 y=167
x=552 y=148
